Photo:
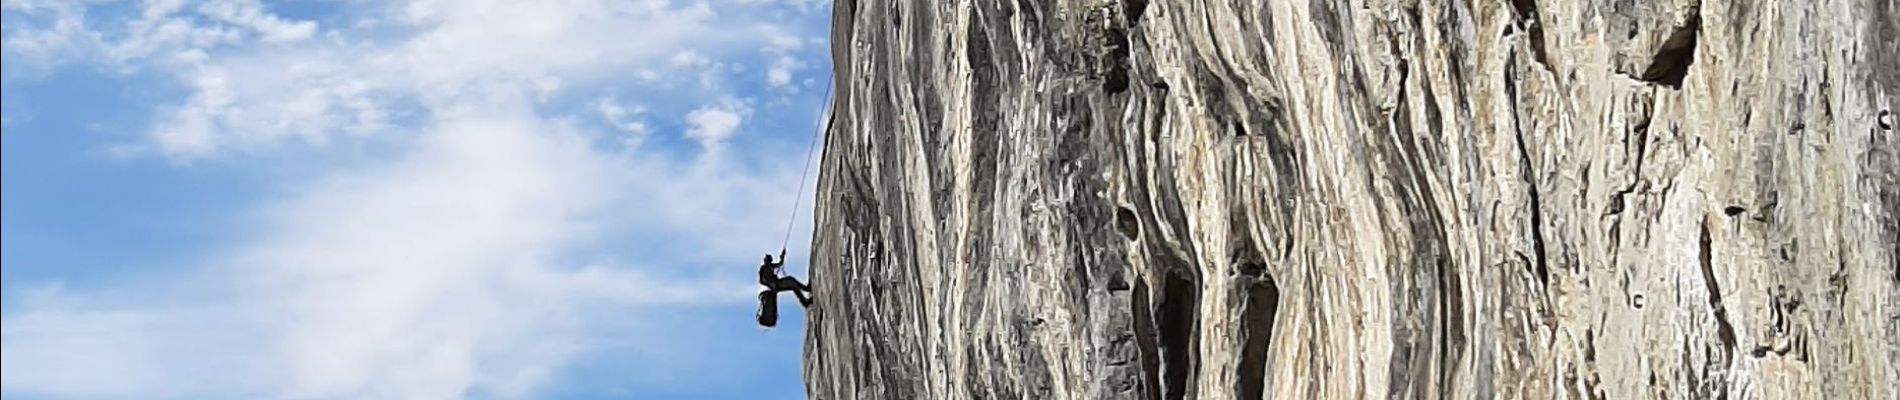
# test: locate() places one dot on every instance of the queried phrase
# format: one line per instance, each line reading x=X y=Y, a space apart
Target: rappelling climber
x=772 y=280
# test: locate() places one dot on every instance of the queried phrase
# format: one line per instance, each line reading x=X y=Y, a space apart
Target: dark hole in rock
x=1129 y=224
x=1262 y=304
x=1115 y=79
x=1175 y=321
x=1253 y=269
x=1672 y=59
x=1733 y=210
x=1118 y=282
x=1134 y=8
x=1115 y=82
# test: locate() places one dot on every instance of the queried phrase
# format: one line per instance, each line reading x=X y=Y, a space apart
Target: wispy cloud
x=456 y=267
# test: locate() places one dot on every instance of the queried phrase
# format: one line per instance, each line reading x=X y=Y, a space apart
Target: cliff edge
x=1166 y=199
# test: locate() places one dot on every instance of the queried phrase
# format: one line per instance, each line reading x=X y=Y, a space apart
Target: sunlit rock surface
x=1054 y=199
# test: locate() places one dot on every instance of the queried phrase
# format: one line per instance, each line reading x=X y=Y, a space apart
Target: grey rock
x=1056 y=199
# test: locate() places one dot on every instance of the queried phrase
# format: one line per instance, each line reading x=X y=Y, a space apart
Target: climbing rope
x=824 y=120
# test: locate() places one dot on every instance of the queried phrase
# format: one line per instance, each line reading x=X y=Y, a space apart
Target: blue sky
x=402 y=199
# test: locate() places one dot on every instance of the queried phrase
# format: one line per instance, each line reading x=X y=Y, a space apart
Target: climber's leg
x=792 y=284
x=788 y=283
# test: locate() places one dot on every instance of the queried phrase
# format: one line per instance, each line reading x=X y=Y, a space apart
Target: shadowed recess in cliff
x=1672 y=59
x=1175 y=325
x=1260 y=305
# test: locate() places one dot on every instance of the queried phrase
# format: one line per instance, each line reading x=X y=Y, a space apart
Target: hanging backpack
x=768 y=308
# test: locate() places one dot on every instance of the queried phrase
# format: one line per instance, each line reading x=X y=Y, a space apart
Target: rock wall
x=1162 y=199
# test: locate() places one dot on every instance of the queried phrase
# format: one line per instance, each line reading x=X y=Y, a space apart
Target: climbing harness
x=824 y=122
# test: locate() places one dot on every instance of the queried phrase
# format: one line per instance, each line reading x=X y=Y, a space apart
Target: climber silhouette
x=771 y=277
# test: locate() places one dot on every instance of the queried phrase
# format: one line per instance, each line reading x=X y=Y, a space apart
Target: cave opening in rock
x=1175 y=322
x=1262 y=305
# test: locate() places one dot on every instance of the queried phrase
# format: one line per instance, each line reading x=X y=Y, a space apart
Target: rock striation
x=1166 y=199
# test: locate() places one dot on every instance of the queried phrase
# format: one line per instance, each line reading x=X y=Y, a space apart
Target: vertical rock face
x=1162 y=199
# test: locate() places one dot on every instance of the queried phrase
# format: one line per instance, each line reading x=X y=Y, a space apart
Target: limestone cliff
x=1161 y=199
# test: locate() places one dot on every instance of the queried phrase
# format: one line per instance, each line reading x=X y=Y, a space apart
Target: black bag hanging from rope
x=768 y=308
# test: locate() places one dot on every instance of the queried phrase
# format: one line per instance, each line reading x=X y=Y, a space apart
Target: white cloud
x=260 y=102
x=250 y=14
x=624 y=119
x=779 y=76
x=455 y=268
x=44 y=32
x=784 y=48
x=711 y=126
x=259 y=79
x=440 y=248
x=690 y=59
x=55 y=32
x=781 y=72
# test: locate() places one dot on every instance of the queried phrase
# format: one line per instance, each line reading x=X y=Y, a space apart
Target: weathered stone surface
x=1316 y=199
